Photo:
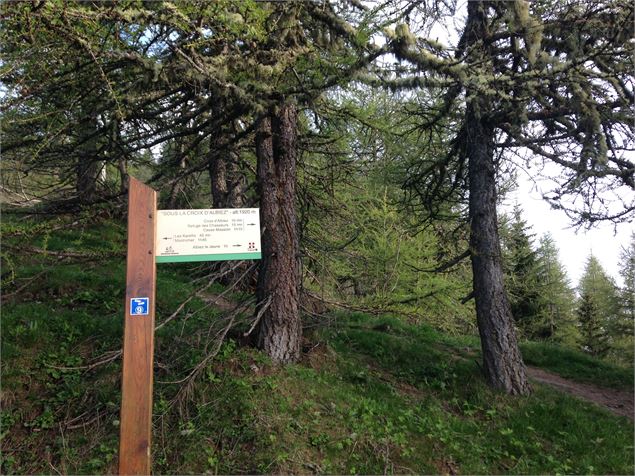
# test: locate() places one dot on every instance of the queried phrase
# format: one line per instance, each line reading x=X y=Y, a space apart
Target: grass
x=67 y=313
x=577 y=365
x=371 y=395
x=547 y=432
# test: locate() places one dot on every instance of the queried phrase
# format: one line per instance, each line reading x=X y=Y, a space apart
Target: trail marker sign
x=208 y=235
x=164 y=236
x=139 y=306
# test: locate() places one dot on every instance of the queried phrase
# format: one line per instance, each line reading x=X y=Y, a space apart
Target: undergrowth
x=371 y=395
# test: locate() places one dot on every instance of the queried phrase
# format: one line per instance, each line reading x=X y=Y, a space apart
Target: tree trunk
x=218 y=175
x=123 y=176
x=87 y=173
x=226 y=180
x=88 y=166
x=236 y=183
x=227 y=184
x=178 y=188
x=502 y=361
x=279 y=330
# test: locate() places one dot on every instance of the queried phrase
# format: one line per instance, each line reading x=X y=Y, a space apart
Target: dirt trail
x=617 y=401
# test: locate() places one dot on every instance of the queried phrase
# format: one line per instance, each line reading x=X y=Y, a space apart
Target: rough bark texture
x=123 y=174
x=228 y=184
x=178 y=189
x=87 y=173
x=88 y=166
x=237 y=183
x=502 y=361
x=279 y=330
x=218 y=178
x=226 y=179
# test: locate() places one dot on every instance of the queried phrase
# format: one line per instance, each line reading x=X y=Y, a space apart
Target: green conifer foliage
x=627 y=270
x=598 y=309
x=594 y=336
x=555 y=319
x=522 y=273
x=624 y=341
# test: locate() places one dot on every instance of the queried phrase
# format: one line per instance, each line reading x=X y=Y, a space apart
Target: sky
x=605 y=241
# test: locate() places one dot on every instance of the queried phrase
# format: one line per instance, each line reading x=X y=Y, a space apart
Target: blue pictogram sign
x=139 y=306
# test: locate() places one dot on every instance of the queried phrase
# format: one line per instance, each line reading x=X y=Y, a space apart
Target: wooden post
x=138 y=343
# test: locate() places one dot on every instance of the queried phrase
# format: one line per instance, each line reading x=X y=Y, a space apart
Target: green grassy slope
x=576 y=365
x=371 y=395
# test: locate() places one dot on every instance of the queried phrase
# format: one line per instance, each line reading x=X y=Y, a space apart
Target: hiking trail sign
x=208 y=235
x=164 y=236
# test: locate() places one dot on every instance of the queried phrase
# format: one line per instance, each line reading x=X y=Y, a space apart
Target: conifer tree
x=594 y=336
x=624 y=331
x=552 y=78
x=521 y=266
x=627 y=271
x=598 y=309
x=555 y=319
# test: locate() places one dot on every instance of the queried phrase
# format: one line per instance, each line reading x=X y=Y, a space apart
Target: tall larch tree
x=307 y=49
x=549 y=84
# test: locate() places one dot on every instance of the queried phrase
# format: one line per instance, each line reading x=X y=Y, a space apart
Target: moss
x=436 y=44
x=522 y=21
x=521 y=13
x=402 y=32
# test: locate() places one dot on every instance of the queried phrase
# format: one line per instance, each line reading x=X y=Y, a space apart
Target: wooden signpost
x=164 y=236
x=138 y=341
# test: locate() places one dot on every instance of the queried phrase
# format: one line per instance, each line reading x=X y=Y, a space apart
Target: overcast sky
x=605 y=241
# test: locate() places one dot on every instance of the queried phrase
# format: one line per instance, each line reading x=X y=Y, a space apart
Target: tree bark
x=279 y=330
x=87 y=173
x=227 y=183
x=178 y=188
x=502 y=362
x=123 y=176
x=218 y=178
x=236 y=183
x=88 y=166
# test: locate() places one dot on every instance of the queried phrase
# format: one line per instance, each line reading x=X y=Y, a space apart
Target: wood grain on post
x=138 y=345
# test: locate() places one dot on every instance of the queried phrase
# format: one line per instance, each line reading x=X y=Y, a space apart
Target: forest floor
x=371 y=394
x=619 y=402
